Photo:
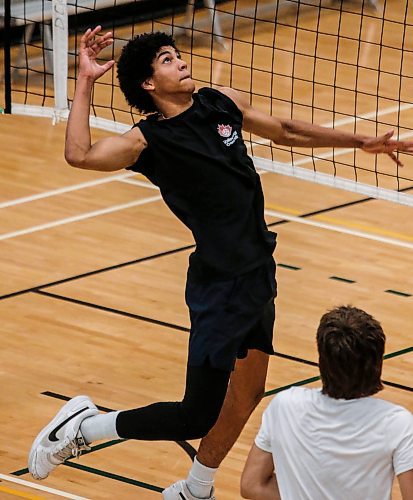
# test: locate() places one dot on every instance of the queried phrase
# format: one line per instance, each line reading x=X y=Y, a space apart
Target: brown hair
x=350 y=346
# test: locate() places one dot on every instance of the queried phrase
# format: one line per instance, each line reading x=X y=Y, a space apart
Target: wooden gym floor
x=92 y=277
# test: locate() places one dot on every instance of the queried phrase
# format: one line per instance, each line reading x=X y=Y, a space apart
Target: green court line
x=152 y=487
x=103 y=446
x=98 y=447
x=398 y=353
x=314 y=379
x=301 y=382
x=100 y=472
x=401 y=294
x=20 y=472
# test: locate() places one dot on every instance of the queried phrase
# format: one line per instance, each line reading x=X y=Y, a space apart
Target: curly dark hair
x=135 y=66
x=351 y=346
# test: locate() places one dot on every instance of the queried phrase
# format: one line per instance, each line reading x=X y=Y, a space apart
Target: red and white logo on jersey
x=224 y=130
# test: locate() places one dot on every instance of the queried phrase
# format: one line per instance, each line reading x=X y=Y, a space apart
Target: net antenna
x=339 y=64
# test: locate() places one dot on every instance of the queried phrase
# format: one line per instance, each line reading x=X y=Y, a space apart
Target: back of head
x=351 y=346
x=135 y=66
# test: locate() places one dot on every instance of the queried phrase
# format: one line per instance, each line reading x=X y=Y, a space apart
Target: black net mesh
x=346 y=63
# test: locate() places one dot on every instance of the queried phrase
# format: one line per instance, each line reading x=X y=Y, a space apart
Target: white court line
x=137 y=182
x=66 y=189
x=367 y=116
x=272 y=213
x=40 y=487
x=339 y=229
x=76 y=218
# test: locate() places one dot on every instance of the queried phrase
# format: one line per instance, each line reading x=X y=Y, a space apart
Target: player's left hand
x=384 y=144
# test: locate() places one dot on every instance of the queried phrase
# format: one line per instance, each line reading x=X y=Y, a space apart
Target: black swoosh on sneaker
x=52 y=436
x=181 y=495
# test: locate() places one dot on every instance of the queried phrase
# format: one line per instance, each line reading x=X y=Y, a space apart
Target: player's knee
x=199 y=430
x=199 y=421
x=200 y=425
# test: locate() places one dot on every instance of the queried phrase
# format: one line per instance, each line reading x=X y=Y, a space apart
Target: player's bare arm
x=112 y=153
x=258 y=481
x=406 y=484
x=303 y=134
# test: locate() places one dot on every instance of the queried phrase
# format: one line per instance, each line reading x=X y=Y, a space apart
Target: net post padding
x=60 y=58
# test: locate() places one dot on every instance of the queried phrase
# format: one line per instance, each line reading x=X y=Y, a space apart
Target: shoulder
x=293 y=396
x=395 y=418
x=297 y=393
x=238 y=98
x=400 y=415
x=143 y=128
x=136 y=131
x=224 y=95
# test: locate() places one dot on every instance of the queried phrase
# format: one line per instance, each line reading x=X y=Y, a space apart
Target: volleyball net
x=338 y=63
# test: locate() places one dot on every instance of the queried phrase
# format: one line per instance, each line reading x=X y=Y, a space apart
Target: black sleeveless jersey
x=200 y=163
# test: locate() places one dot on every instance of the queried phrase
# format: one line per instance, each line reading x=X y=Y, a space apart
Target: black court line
x=173 y=251
x=344 y=280
x=334 y=207
x=322 y=211
x=400 y=294
x=337 y=207
x=294 y=358
x=397 y=386
x=184 y=329
x=98 y=271
x=288 y=266
x=111 y=310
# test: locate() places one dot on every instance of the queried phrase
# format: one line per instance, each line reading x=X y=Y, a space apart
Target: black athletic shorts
x=230 y=317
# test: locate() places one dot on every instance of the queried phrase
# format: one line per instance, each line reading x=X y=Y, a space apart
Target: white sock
x=102 y=426
x=200 y=480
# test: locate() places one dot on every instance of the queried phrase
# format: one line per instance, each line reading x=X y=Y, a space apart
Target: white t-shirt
x=336 y=449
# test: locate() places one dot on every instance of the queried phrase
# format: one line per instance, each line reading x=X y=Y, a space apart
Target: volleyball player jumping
x=191 y=146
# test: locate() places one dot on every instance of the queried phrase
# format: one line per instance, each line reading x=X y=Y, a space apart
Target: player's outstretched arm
x=112 y=153
x=258 y=481
x=303 y=134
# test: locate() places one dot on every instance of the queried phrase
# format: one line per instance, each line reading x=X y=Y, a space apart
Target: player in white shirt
x=338 y=442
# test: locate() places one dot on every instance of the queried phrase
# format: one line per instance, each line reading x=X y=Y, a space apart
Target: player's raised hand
x=385 y=144
x=90 y=46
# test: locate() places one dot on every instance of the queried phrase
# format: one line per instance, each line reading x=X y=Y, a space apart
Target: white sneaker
x=180 y=491
x=61 y=438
